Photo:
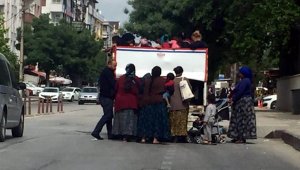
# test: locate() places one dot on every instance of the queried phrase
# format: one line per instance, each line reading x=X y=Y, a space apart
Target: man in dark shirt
x=106 y=84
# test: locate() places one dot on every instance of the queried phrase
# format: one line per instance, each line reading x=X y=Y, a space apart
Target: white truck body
x=193 y=62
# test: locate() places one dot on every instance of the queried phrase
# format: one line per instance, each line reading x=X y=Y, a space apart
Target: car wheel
x=72 y=99
x=18 y=131
x=3 y=127
x=273 y=105
x=80 y=102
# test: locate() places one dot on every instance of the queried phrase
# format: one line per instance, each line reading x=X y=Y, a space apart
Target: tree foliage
x=62 y=45
x=252 y=32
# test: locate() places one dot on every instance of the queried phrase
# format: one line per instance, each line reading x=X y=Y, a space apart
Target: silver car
x=88 y=95
x=11 y=104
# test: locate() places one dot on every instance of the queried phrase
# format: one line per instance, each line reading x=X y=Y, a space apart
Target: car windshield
x=50 y=90
x=89 y=90
x=68 y=89
x=29 y=85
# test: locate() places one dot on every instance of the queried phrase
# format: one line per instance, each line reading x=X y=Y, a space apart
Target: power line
x=13 y=16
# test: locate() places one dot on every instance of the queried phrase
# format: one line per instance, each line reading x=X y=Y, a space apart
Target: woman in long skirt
x=179 y=110
x=126 y=104
x=242 y=124
x=153 y=116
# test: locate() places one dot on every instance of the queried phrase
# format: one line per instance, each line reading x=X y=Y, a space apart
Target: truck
x=193 y=62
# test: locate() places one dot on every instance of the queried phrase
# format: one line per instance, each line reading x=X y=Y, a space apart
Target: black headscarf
x=129 y=77
x=155 y=72
x=178 y=70
x=130 y=70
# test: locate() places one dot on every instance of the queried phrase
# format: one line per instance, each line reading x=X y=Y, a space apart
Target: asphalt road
x=63 y=142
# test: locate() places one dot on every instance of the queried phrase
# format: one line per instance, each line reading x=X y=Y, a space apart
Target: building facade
x=33 y=10
x=11 y=10
x=58 y=10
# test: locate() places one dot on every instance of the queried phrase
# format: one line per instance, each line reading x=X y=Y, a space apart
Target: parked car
x=11 y=103
x=52 y=92
x=270 y=101
x=88 y=95
x=35 y=90
x=71 y=93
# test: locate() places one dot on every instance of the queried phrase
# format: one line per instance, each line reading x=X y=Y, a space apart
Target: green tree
x=251 y=32
x=42 y=46
x=63 y=49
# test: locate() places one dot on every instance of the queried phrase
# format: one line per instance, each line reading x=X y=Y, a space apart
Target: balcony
x=53 y=7
x=104 y=35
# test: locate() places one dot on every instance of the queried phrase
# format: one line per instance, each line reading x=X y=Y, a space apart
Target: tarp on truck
x=193 y=62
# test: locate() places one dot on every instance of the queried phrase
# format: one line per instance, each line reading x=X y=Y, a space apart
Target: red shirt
x=169 y=83
x=126 y=100
x=166 y=45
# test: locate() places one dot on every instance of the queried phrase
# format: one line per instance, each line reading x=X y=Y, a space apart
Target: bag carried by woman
x=185 y=90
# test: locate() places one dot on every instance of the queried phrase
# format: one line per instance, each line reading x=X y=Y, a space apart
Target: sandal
x=240 y=142
x=206 y=142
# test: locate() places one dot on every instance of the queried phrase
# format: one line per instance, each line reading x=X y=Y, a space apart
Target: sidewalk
x=283 y=125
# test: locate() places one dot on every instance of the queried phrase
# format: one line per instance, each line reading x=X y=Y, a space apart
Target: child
x=209 y=118
x=169 y=88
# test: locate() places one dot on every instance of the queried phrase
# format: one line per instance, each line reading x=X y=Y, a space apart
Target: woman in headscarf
x=153 y=115
x=179 y=109
x=126 y=104
x=243 y=120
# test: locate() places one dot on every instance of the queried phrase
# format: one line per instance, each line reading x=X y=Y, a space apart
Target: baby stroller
x=195 y=134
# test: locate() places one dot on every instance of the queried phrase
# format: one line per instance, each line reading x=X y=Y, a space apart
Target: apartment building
x=11 y=10
x=58 y=10
x=33 y=10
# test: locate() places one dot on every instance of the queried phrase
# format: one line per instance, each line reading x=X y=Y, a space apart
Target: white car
x=71 y=93
x=270 y=101
x=35 y=89
x=88 y=95
x=52 y=92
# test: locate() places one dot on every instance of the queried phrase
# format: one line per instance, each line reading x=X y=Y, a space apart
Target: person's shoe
x=97 y=136
x=233 y=140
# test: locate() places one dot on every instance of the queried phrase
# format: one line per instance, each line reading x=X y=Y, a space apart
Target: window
x=56 y=1
x=56 y=17
x=13 y=77
x=4 y=74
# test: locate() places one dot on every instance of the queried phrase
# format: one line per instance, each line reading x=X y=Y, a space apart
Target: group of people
x=165 y=41
x=151 y=108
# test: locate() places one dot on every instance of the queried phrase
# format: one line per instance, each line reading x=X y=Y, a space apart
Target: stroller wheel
x=189 y=139
x=198 y=139
x=222 y=139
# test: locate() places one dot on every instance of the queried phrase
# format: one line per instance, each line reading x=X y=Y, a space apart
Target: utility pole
x=21 y=71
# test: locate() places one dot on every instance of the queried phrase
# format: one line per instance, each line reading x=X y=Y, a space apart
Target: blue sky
x=113 y=10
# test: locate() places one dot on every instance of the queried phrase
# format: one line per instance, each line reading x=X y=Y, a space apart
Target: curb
x=288 y=137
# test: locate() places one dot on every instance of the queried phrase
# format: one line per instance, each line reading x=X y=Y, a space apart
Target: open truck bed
x=193 y=62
